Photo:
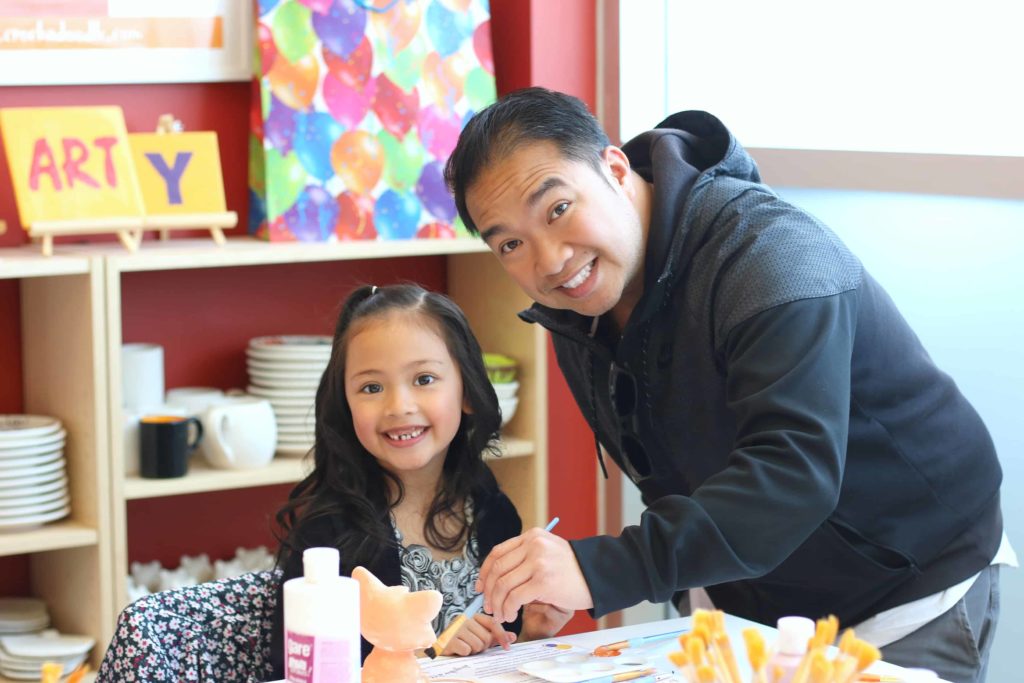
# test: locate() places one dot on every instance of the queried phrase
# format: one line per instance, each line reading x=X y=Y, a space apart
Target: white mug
x=239 y=433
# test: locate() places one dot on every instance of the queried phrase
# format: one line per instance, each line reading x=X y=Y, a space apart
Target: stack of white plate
x=22 y=615
x=286 y=371
x=22 y=657
x=33 y=485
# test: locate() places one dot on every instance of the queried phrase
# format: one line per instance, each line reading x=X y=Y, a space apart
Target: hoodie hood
x=682 y=155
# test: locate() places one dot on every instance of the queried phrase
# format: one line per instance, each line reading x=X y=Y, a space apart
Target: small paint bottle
x=321 y=622
x=790 y=648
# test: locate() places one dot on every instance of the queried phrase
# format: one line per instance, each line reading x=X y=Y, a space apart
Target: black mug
x=166 y=444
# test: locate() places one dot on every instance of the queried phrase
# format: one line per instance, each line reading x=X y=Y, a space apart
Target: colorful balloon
x=354 y=70
x=399 y=24
x=266 y=6
x=396 y=109
x=293 y=31
x=482 y=46
x=285 y=180
x=443 y=79
x=294 y=83
x=447 y=29
x=319 y=6
x=457 y=5
x=277 y=231
x=256 y=99
x=279 y=128
x=315 y=133
x=267 y=50
x=480 y=89
x=257 y=214
x=355 y=217
x=404 y=69
x=396 y=215
x=433 y=192
x=357 y=157
x=439 y=132
x=402 y=160
x=313 y=216
x=257 y=166
x=347 y=104
x=342 y=28
x=435 y=231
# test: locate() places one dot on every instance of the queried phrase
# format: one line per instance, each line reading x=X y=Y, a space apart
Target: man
x=796 y=448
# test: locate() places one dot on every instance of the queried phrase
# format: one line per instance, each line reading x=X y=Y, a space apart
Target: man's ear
x=617 y=164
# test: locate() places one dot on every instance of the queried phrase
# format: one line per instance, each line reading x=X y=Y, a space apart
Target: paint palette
x=575 y=667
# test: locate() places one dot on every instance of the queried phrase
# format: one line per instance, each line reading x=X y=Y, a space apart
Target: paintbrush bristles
x=757 y=653
x=707 y=654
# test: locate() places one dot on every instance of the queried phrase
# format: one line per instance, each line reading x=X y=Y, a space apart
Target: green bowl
x=500 y=368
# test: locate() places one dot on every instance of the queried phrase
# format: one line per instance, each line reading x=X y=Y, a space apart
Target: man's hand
x=478 y=634
x=536 y=566
x=541 y=620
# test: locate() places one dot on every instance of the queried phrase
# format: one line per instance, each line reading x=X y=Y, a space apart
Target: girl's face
x=405 y=392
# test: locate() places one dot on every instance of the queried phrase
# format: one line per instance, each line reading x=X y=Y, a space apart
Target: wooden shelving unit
x=64 y=374
x=71 y=341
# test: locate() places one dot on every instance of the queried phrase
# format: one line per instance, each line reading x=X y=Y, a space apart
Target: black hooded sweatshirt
x=805 y=455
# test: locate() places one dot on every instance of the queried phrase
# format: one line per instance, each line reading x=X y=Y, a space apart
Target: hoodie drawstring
x=593 y=400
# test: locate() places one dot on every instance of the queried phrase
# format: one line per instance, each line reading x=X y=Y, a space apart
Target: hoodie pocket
x=838 y=571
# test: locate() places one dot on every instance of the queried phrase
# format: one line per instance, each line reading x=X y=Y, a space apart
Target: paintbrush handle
x=628 y=676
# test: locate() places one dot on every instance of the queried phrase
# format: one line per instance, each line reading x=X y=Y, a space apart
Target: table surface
x=734 y=626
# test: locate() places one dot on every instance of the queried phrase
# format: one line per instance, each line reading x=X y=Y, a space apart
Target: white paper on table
x=497 y=665
x=501 y=666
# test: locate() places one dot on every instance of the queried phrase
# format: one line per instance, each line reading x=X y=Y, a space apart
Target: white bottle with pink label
x=321 y=622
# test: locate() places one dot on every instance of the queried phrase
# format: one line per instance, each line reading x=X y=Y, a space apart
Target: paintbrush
x=458 y=622
x=628 y=676
x=607 y=650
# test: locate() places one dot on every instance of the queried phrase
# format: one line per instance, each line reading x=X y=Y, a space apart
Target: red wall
x=536 y=42
x=553 y=44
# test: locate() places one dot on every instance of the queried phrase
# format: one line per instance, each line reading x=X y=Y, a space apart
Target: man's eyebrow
x=548 y=184
x=491 y=232
x=531 y=201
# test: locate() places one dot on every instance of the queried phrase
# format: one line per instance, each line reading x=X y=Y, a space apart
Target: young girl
x=404 y=414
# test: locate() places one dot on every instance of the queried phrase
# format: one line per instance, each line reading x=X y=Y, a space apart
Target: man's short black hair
x=519 y=118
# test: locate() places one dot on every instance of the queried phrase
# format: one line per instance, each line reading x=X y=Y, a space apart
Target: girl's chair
x=217 y=631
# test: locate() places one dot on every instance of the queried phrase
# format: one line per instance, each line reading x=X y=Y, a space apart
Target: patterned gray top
x=454 y=577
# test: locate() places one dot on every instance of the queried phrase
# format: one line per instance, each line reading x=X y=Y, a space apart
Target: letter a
x=43 y=162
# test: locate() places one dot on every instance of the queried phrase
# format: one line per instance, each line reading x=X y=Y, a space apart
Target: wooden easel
x=214 y=222
x=127 y=229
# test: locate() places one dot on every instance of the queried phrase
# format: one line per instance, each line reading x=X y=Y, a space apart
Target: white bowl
x=508 y=409
x=506 y=390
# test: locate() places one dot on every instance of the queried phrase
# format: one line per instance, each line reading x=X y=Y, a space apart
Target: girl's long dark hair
x=347 y=480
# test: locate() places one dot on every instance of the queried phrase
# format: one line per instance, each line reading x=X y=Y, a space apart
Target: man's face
x=569 y=236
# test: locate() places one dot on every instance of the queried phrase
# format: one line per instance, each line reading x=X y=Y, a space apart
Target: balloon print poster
x=359 y=105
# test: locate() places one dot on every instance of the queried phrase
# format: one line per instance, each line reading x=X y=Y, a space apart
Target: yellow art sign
x=179 y=173
x=69 y=163
x=77 y=171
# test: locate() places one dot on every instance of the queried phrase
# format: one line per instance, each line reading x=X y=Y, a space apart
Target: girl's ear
x=466 y=408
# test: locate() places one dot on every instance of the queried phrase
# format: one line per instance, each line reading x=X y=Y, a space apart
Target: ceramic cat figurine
x=397 y=623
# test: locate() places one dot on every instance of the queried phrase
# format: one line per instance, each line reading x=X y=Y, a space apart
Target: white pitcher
x=240 y=432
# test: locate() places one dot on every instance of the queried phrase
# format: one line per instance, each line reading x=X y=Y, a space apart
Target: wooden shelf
x=202 y=478
x=53 y=536
x=27 y=261
x=248 y=251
